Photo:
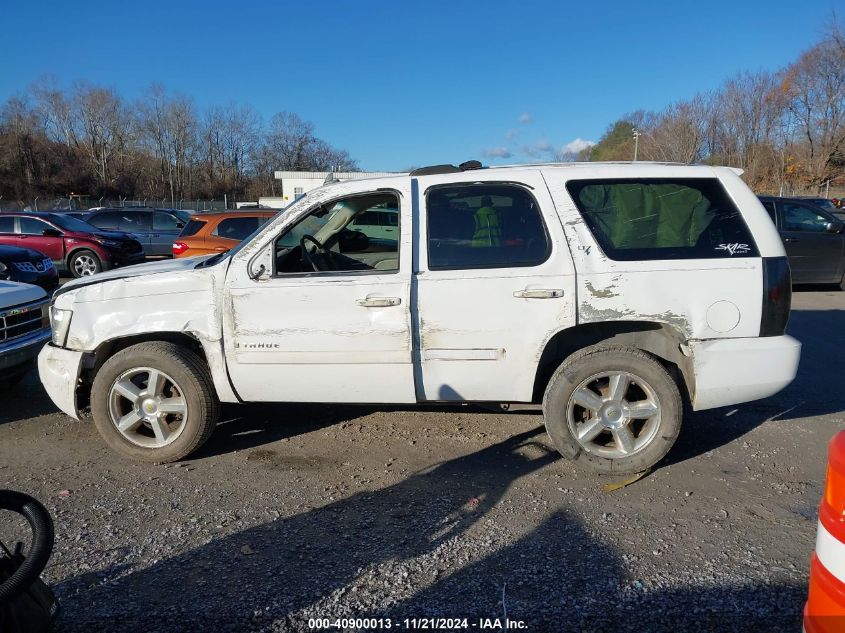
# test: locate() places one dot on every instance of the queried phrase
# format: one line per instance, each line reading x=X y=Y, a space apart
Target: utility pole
x=636 y=133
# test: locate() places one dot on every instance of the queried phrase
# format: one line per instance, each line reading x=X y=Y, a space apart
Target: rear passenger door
x=815 y=253
x=494 y=282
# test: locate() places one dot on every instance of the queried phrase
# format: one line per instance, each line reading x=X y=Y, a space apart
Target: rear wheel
x=84 y=263
x=154 y=402
x=614 y=410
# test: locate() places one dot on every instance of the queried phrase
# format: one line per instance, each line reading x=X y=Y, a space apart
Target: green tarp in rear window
x=651 y=219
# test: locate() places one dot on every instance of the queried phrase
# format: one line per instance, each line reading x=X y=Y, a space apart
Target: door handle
x=221 y=248
x=539 y=293
x=379 y=302
x=791 y=240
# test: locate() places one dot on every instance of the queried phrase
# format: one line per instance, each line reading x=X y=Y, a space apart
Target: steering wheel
x=316 y=264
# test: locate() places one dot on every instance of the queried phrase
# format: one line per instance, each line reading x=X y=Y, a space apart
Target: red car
x=74 y=246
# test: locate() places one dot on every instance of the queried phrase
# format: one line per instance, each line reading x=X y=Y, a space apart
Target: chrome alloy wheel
x=147 y=407
x=84 y=265
x=613 y=414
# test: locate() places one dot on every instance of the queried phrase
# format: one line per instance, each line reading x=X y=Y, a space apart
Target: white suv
x=612 y=293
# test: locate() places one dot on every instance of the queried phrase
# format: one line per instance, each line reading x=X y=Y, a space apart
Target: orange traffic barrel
x=825 y=608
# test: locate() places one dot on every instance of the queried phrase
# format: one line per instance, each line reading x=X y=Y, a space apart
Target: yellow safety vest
x=488 y=230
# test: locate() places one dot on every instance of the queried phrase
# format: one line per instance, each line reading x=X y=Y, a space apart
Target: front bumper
x=18 y=354
x=734 y=370
x=58 y=369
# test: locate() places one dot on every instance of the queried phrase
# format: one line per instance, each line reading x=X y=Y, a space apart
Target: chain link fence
x=82 y=203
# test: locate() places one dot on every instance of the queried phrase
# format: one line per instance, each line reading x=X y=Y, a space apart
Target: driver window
x=797 y=217
x=343 y=235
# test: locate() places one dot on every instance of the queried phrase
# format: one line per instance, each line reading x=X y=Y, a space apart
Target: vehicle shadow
x=814 y=391
x=245 y=426
x=295 y=561
x=557 y=579
x=25 y=400
x=424 y=547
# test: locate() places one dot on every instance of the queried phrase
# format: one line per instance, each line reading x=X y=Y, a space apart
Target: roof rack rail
x=447 y=169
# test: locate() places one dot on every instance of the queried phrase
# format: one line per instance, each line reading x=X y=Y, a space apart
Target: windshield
x=69 y=223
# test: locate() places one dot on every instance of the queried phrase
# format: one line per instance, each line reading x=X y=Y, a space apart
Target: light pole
x=636 y=133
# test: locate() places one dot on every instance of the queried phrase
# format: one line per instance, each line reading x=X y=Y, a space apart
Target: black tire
x=590 y=362
x=193 y=377
x=92 y=264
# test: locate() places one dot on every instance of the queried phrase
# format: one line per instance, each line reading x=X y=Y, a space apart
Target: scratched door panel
x=482 y=330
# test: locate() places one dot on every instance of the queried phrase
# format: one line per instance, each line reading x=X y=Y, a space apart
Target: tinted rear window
x=192 y=228
x=237 y=228
x=7 y=225
x=635 y=219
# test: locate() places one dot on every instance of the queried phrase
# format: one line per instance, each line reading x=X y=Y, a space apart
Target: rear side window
x=192 y=228
x=236 y=228
x=635 y=219
x=165 y=222
x=104 y=220
x=7 y=225
x=134 y=221
x=484 y=226
x=770 y=208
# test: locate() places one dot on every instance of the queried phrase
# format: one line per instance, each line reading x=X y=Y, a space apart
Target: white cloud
x=540 y=148
x=576 y=146
x=526 y=117
x=511 y=134
x=496 y=152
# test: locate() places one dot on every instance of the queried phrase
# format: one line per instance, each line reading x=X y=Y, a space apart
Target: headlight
x=60 y=322
x=111 y=243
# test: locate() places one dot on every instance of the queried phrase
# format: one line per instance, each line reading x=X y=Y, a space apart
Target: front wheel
x=614 y=410
x=84 y=263
x=154 y=402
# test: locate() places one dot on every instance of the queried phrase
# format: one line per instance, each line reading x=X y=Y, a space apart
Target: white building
x=295 y=184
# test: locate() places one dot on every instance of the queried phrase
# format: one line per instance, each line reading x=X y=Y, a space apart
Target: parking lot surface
x=294 y=512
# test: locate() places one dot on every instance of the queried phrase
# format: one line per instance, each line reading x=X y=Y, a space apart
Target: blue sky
x=412 y=83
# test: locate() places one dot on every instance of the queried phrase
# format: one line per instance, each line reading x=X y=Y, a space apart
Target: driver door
x=331 y=324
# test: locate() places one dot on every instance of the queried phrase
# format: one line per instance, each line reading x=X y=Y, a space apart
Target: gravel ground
x=299 y=512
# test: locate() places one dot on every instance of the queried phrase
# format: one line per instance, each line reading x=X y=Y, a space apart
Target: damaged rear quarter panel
x=678 y=293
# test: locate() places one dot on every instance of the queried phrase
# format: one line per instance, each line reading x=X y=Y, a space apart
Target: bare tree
x=815 y=90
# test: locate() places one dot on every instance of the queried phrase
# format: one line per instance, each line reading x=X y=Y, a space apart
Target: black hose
x=42 y=542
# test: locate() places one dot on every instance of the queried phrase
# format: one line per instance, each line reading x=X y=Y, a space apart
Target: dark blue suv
x=156 y=229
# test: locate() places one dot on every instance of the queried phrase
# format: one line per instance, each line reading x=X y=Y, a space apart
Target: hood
x=19 y=254
x=138 y=270
x=14 y=294
x=101 y=234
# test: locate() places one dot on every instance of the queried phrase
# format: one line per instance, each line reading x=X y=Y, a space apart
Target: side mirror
x=51 y=233
x=180 y=225
x=353 y=241
x=834 y=227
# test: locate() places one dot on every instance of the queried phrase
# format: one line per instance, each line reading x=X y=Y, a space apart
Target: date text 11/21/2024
x=417 y=624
